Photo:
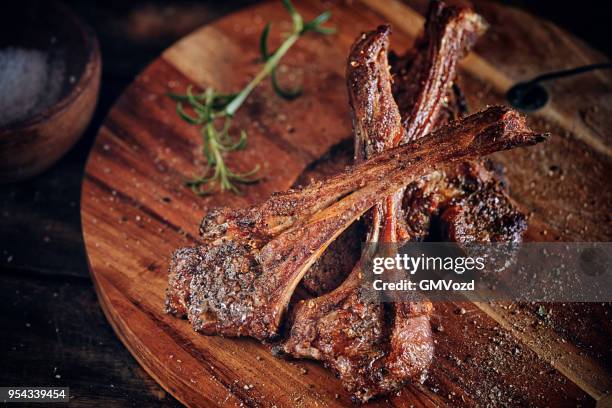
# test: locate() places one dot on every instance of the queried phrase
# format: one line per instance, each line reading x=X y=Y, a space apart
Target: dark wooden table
x=53 y=330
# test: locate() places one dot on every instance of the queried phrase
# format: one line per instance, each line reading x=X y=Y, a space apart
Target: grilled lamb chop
x=373 y=347
x=457 y=193
x=240 y=280
x=423 y=89
x=376 y=348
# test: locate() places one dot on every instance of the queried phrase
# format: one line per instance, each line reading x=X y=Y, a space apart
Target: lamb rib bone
x=240 y=280
x=424 y=76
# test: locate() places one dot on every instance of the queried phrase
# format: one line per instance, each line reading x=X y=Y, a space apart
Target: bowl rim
x=92 y=47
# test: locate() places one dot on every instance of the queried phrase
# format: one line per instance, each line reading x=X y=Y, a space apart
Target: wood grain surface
x=135 y=210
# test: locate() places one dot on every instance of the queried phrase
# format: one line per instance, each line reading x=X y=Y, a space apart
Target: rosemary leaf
x=263 y=42
x=289 y=94
x=210 y=108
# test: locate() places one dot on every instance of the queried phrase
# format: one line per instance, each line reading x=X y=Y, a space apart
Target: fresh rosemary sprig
x=214 y=111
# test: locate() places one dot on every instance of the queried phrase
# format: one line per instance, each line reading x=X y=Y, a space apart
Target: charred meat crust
x=482 y=212
x=462 y=203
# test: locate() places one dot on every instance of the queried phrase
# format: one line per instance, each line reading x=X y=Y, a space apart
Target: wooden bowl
x=31 y=145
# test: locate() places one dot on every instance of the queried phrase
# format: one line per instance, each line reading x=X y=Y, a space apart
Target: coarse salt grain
x=30 y=82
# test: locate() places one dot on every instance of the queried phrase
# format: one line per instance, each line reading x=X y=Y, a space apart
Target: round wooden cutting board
x=136 y=211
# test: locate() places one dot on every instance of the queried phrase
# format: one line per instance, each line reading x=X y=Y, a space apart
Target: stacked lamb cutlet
x=239 y=281
x=466 y=202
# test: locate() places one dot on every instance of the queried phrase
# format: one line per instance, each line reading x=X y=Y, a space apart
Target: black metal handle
x=531 y=96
